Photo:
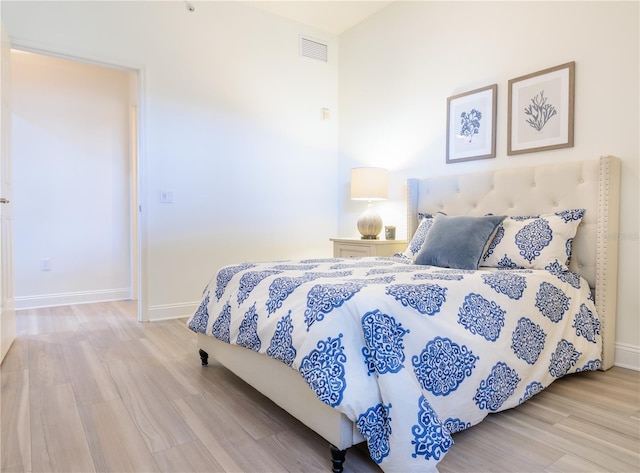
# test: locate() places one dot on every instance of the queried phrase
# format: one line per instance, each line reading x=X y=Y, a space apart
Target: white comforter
x=410 y=353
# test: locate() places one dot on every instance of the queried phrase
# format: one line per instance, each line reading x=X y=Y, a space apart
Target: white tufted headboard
x=593 y=185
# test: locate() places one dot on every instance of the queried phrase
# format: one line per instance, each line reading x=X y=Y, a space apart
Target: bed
x=498 y=334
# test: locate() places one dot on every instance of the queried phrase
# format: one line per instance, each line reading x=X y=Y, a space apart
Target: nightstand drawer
x=355 y=248
x=344 y=250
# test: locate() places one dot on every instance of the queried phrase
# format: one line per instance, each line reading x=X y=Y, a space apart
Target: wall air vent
x=313 y=49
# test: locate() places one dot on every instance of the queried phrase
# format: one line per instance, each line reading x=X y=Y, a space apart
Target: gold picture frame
x=541 y=108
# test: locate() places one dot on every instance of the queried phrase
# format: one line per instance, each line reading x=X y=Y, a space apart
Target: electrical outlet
x=45 y=264
x=166 y=196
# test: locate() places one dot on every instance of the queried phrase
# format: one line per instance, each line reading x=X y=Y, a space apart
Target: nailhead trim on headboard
x=607 y=254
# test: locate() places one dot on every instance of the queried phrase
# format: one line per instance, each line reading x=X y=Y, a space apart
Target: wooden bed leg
x=204 y=357
x=337 y=459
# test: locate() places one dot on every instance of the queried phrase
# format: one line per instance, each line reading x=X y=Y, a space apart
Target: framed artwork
x=541 y=110
x=471 y=125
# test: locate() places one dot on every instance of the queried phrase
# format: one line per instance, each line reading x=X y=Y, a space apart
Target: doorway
x=75 y=160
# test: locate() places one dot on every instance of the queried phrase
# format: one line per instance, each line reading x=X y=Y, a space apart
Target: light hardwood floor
x=88 y=388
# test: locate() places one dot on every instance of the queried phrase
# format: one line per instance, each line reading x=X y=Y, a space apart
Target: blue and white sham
x=419 y=237
x=533 y=242
x=410 y=353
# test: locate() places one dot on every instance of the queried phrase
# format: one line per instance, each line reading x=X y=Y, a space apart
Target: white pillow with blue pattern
x=533 y=242
x=424 y=225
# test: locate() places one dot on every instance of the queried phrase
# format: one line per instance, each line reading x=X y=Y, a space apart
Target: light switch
x=166 y=196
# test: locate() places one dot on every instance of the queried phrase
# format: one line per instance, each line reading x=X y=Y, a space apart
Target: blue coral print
x=220 y=328
x=281 y=346
x=563 y=359
x=443 y=365
x=375 y=427
x=509 y=284
x=481 y=316
x=384 y=350
x=431 y=438
x=586 y=324
x=425 y=298
x=497 y=387
x=533 y=238
x=248 y=334
x=323 y=298
x=323 y=370
x=201 y=318
x=470 y=124
x=527 y=340
x=552 y=302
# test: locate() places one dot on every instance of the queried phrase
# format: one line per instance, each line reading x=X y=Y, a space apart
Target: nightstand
x=355 y=247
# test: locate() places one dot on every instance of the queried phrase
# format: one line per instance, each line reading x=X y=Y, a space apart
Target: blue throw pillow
x=457 y=241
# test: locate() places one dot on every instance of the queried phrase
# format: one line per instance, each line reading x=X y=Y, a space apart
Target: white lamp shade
x=369 y=183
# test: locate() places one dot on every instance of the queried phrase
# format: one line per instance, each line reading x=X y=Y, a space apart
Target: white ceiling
x=333 y=16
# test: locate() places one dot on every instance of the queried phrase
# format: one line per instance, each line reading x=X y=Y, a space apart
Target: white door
x=7 y=311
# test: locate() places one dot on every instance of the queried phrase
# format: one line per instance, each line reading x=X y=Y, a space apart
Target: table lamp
x=369 y=183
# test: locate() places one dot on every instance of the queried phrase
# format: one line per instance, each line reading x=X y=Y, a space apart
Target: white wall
x=228 y=106
x=71 y=181
x=231 y=125
x=398 y=67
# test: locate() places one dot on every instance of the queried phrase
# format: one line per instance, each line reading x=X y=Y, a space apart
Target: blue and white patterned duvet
x=410 y=353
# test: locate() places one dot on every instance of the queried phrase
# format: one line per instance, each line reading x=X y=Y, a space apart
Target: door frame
x=137 y=163
x=7 y=295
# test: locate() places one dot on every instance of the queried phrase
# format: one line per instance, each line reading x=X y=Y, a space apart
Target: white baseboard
x=172 y=311
x=627 y=356
x=68 y=298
